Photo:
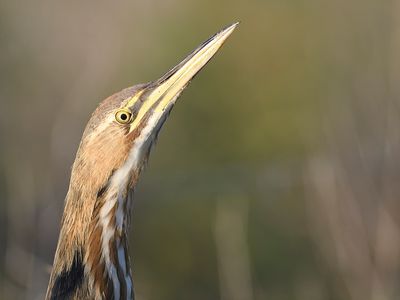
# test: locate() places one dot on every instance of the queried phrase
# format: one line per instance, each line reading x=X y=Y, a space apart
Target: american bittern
x=91 y=260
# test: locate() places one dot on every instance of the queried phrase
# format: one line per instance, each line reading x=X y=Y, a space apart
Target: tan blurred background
x=277 y=175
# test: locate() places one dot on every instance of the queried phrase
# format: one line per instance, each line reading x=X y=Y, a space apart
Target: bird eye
x=123 y=116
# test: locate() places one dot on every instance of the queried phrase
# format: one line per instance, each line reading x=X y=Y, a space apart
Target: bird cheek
x=108 y=153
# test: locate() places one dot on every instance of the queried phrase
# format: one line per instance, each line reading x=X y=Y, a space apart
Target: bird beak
x=162 y=93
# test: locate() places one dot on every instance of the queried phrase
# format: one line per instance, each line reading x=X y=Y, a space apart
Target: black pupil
x=124 y=117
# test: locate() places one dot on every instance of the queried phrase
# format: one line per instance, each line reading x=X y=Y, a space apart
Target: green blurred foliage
x=243 y=131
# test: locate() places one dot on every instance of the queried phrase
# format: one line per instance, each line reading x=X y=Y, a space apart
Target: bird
x=91 y=260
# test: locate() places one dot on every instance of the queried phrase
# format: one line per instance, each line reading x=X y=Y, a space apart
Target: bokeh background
x=277 y=174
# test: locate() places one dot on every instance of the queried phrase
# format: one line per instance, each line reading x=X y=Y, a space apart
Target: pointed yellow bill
x=166 y=90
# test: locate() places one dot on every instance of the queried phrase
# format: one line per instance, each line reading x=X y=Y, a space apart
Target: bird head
x=121 y=131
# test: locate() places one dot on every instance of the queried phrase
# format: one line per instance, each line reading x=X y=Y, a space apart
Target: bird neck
x=91 y=260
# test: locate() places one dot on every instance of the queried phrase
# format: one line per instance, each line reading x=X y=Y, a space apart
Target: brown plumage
x=91 y=260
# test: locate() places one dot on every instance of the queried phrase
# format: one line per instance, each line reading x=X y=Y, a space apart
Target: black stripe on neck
x=68 y=281
x=104 y=188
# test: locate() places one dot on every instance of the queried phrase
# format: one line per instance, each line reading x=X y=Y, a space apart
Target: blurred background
x=277 y=174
